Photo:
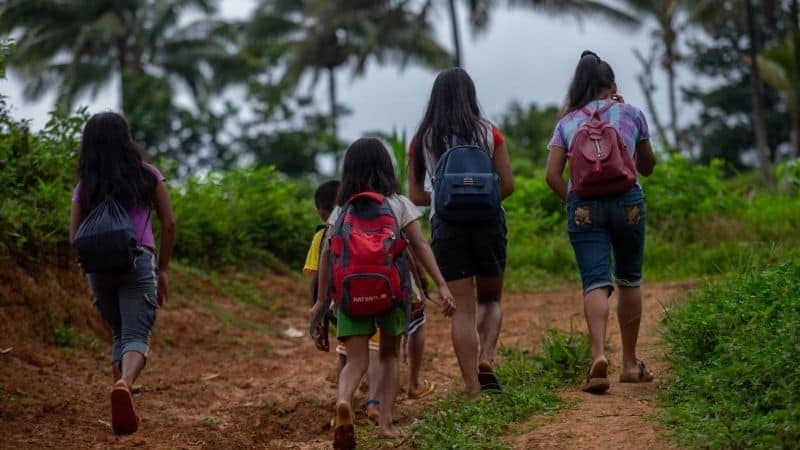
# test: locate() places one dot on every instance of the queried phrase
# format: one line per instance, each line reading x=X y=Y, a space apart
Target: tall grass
x=734 y=349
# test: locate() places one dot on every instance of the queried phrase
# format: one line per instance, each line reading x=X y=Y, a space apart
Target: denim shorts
x=465 y=251
x=127 y=302
x=600 y=228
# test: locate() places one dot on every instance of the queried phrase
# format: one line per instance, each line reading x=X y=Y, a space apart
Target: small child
x=325 y=201
x=368 y=168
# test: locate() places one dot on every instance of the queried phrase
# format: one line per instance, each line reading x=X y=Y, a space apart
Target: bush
x=36 y=179
x=734 y=348
x=244 y=217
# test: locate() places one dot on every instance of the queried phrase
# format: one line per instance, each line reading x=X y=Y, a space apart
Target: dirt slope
x=213 y=384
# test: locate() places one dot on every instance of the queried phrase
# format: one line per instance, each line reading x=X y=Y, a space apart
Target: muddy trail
x=223 y=374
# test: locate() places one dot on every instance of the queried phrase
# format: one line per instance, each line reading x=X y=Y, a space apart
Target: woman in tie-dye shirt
x=601 y=227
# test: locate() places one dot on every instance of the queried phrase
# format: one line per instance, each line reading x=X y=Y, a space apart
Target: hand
x=314 y=311
x=448 y=301
x=163 y=287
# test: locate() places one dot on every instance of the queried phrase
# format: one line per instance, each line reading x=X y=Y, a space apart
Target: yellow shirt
x=312 y=258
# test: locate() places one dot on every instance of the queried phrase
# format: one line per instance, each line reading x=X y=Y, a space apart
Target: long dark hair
x=592 y=77
x=453 y=110
x=110 y=163
x=367 y=167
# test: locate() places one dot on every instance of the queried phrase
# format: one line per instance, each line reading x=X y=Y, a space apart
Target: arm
x=168 y=226
x=416 y=187
x=645 y=158
x=556 y=162
x=75 y=220
x=312 y=286
x=502 y=165
x=322 y=273
x=425 y=256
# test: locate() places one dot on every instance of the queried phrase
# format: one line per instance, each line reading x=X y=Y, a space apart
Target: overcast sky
x=525 y=56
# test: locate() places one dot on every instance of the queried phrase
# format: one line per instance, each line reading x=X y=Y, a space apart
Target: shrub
x=244 y=217
x=734 y=347
x=36 y=180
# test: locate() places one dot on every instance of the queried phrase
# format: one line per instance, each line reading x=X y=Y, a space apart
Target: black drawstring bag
x=106 y=241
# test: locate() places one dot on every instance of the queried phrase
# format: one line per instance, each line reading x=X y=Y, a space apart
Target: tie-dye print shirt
x=627 y=119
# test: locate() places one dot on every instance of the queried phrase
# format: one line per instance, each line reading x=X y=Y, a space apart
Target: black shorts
x=465 y=251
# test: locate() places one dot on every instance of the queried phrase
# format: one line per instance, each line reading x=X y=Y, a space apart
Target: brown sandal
x=643 y=375
x=596 y=381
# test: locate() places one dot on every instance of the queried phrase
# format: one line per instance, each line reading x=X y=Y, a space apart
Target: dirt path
x=212 y=385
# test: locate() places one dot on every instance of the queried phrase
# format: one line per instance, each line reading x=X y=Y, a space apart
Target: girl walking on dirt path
x=110 y=165
x=471 y=256
x=368 y=168
x=604 y=220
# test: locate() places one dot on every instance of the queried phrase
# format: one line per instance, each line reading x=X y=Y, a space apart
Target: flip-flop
x=643 y=375
x=427 y=390
x=596 y=381
x=373 y=417
x=488 y=379
x=344 y=434
x=123 y=415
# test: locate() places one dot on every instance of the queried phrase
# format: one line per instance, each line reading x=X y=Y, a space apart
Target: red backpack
x=369 y=270
x=599 y=162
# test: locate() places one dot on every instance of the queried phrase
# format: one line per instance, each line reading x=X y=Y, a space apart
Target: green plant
x=733 y=348
x=529 y=384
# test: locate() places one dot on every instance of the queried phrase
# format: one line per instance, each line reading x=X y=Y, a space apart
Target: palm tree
x=480 y=12
x=77 y=48
x=317 y=37
x=777 y=67
x=756 y=90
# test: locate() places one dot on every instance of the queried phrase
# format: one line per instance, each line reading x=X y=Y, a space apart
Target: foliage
x=527 y=130
x=733 y=348
x=36 y=180
x=529 y=384
x=249 y=217
x=77 y=48
x=724 y=128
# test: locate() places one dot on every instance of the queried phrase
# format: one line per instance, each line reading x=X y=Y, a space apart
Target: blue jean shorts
x=127 y=302
x=600 y=228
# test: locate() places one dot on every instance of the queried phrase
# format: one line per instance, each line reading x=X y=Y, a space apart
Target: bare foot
x=390 y=432
x=373 y=410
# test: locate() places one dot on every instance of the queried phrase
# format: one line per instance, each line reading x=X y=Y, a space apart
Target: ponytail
x=592 y=76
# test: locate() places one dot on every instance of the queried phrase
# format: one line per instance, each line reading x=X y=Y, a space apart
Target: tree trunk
x=760 y=129
x=646 y=84
x=334 y=117
x=456 y=34
x=669 y=66
x=795 y=12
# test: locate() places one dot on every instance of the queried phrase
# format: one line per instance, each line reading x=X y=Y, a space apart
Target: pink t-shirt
x=141 y=217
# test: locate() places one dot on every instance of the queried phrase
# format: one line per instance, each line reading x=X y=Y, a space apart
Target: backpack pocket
x=366 y=294
x=468 y=197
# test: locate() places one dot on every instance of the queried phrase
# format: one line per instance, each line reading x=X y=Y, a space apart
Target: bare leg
x=465 y=333
x=595 y=307
x=490 y=316
x=116 y=370
x=132 y=364
x=629 y=313
x=353 y=371
x=373 y=380
x=390 y=383
x=416 y=348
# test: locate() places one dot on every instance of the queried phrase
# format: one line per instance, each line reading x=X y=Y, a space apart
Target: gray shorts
x=127 y=302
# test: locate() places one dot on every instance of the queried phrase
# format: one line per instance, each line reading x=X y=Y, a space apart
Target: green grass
x=734 y=348
x=529 y=387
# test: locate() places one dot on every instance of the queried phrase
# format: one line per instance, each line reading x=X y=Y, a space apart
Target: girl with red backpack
x=606 y=142
x=363 y=268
